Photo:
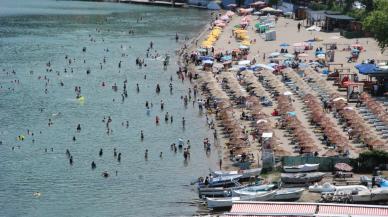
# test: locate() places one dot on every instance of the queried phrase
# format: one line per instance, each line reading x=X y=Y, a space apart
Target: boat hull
x=291 y=194
x=301 y=178
x=301 y=168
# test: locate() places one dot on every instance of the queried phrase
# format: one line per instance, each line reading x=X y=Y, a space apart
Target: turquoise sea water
x=35 y=32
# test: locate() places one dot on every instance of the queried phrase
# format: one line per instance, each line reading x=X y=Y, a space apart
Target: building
x=287 y=209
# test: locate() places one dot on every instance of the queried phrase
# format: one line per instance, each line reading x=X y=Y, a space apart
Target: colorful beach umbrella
x=284 y=45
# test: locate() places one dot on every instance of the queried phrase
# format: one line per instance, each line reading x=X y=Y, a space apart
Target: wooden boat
x=221 y=181
x=219 y=203
x=301 y=168
x=302 y=177
x=373 y=195
x=218 y=191
x=226 y=202
x=287 y=194
x=253 y=189
x=327 y=188
x=245 y=174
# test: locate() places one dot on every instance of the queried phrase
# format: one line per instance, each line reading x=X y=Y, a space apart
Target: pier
x=155 y=3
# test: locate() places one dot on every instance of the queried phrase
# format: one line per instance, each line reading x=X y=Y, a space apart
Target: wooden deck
x=155 y=3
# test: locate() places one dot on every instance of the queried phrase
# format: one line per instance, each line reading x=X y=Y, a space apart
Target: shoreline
x=219 y=144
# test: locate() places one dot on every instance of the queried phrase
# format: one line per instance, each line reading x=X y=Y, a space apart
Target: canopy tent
x=366 y=68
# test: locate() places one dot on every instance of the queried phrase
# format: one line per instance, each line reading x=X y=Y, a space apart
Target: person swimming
x=93 y=165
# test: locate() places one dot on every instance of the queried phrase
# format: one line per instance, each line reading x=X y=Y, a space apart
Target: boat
x=301 y=168
x=253 y=189
x=302 y=177
x=219 y=203
x=221 y=181
x=244 y=173
x=287 y=194
x=218 y=191
x=327 y=188
x=258 y=195
x=226 y=202
x=373 y=195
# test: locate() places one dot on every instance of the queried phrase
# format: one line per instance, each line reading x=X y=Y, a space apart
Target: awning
x=268 y=208
x=339 y=17
x=371 y=69
x=352 y=210
x=366 y=68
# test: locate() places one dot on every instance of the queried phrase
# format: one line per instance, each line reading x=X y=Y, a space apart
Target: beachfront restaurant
x=336 y=22
x=256 y=208
x=377 y=78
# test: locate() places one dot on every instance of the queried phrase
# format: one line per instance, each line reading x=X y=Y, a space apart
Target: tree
x=348 y=5
x=377 y=23
x=368 y=5
x=330 y=4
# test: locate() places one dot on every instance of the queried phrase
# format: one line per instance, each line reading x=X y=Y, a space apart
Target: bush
x=317 y=6
x=368 y=160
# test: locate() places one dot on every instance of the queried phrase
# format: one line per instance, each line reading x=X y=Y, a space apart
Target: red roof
x=353 y=210
x=273 y=208
x=286 y=209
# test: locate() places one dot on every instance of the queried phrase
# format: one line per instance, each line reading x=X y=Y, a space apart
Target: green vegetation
x=376 y=22
x=368 y=160
x=374 y=17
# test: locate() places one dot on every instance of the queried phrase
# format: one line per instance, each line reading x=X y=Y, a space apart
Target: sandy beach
x=259 y=51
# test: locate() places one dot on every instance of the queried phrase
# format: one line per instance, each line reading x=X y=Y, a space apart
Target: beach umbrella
x=274 y=54
x=303 y=55
x=229 y=13
x=267 y=9
x=265 y=67
x=292 y=114
x=314 y=28
x=207 y=62
x=261 y=121
x=246 y=43
x=338 y=99
x=244 y=62
x=289 y=56
x=321 y=56
x=272 y=65
x=243 y=47
x=224 y=18
x=221 y=24
x=284 y=45
x=226 y=58
x=258 y=3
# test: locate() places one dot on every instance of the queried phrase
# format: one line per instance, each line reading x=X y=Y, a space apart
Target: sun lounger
x=373 y=120
x=378 y=123
x=379 y=128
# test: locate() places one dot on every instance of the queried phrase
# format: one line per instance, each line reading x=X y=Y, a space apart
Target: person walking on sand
x=299 y=25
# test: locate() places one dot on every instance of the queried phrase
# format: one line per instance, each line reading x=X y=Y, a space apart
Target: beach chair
x=380 y=128
x=378 y=123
